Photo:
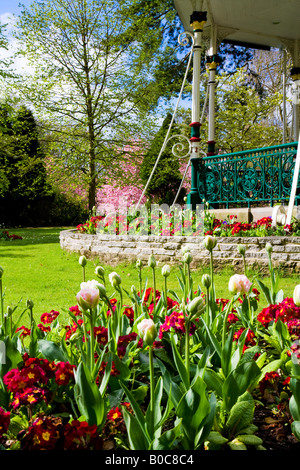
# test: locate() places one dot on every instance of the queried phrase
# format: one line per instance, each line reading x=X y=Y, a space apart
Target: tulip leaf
x=51 y=351
x=136 y=435
x=180 y=365
x=88 y=397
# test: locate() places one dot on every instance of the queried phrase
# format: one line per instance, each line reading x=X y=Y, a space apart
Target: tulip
x=206 y=280
x=269 y=248
x=147 y=331
x=187 y=257
x=241 y=249
x=139 y=263
x=210 y=242
x=151 y=262
x=93 y=284
x=166 y=270
x=82 y=261
x=88 y=298
x=296 y=295
x=115 y=279
x=239 y=283
x=195 y=306
x=100 y=271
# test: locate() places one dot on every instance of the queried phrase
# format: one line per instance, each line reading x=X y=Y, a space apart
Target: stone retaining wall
x=114 y=249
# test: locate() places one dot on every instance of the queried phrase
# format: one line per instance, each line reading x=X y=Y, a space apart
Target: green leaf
x=237 y=445
x=180 y=365
x=215 y=343
x=214 y=381
x=240 y=416
x=51 y=351
x=138 y=412
x=166 y=440
x=226 y=353
x=296 y=429
x=12 y=357
x=194 y=406
x=250 y=440
x=216 y=438
x=88 y=398
x=265 y=290
x=135 y=432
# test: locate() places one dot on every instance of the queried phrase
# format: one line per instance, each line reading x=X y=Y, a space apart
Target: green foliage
x=98 y=79
x=242 y=115
x=166 y=178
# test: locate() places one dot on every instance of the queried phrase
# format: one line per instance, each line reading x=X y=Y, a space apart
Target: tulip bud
x=187 y=257
x=29 y=303
x=210 y=242
x=166 y=270
x=133 y=289
x=195 y=306
x=206 y=280
x=296 y=295
x=147 y=331
x=9 y=311
x=269 y=248
x=115 y=279
x=82 y=261
x=151 y=261
x=139 y=263
x=99 y=271
x=184 y=250
x=241 y=249
x=102 y=290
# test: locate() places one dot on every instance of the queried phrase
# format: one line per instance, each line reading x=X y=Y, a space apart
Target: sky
x=11 y=6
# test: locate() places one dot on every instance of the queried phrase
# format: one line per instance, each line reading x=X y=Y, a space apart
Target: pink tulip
x=88 y=297
x=239 y=283
x=147 y=331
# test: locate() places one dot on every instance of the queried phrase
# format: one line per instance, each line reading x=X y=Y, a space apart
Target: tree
x=166 y=178
x=96 y=73
x=23 y=179
x=243 y=118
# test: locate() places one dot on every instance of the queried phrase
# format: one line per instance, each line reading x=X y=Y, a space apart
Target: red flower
x=49 y=317
x=25 y=331
x=45 y=433
x=79 y=435
x=114 y=414
x=29 y=397
x=101 y=333
x=64 y=373
x=75 y=310
x=4 y=421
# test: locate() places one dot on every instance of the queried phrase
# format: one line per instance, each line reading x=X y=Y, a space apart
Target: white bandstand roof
x=265 y=23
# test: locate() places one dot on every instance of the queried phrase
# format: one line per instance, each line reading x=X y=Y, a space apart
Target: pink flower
x=239 y=283
x=147 y=331
x=88 y=298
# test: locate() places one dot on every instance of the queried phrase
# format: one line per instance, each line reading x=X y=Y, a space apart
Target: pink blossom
x=239 y=283
x=88 y=297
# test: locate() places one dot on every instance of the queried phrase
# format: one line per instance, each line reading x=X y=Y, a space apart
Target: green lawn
x=36 y=268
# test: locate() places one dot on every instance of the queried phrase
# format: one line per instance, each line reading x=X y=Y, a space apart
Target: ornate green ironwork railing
x=249 y=177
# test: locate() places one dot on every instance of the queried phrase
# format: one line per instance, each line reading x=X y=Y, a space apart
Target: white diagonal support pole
x=294 y=185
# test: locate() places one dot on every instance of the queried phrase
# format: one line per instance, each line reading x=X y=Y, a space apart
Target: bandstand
x=258 y=176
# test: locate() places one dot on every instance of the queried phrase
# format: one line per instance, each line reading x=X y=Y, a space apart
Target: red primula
x=4 y=421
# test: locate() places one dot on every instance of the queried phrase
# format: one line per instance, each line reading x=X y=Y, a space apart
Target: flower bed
x=185 y=224
x=165 y=370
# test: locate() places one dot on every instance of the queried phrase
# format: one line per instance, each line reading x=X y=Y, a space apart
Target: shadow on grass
x=33 y=236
